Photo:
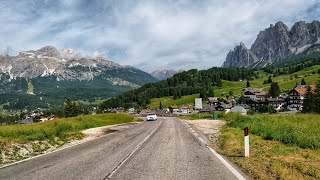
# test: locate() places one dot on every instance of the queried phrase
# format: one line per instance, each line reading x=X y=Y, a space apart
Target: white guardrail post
x=246 y=142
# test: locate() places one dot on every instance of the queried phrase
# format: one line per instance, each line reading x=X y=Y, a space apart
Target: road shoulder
x=208 y=131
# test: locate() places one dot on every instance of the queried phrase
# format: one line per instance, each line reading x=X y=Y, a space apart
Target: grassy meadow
x=302 y=130
x=282 y=146
x=61 y=129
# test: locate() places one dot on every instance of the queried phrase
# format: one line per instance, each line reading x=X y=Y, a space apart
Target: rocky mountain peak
x=163 y=74
x=69 y=54
x=281 y=25
x=242 y=45
x=240 y=56
x=275 y=43
x=49 y=51
x=66 y=64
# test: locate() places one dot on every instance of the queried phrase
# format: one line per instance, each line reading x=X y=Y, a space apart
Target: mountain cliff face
x=47 y=77
x=274 y=44
x=163 y=74
x=239 y=57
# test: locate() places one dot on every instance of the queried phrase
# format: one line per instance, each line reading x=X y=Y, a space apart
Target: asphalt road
x=163 y=149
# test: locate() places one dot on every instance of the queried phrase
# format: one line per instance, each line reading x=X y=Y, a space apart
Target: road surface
x=163 y=149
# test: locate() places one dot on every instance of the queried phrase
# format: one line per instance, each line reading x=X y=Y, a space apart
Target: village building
x=145 y=112
x=174 y=109
x=120 y=110
x=185 y=109
x=207 y=109
x=254 y=94
x=254 y=104
x=276 y=103
x=213 y=101
x=223 y=107
x=296 y=97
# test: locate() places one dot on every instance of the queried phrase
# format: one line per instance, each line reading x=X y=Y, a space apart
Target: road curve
x=163 y=149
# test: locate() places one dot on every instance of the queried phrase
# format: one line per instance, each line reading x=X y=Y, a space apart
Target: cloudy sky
x=148 y=34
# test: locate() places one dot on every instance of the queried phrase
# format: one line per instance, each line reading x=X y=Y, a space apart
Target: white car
x=152 y=117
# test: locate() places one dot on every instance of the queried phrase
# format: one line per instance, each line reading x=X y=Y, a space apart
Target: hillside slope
x=45 y=78
x=286 y=83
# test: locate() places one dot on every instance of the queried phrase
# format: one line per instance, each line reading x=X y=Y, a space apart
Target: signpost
x=246 y=142
x=198 y=103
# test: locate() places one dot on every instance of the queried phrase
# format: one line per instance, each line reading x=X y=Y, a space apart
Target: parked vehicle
x=152 y=117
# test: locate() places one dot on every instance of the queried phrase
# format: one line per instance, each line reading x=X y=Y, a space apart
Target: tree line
x=181 y=84
x=293 y=65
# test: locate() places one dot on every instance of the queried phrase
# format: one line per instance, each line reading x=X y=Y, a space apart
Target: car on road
x=152 y=117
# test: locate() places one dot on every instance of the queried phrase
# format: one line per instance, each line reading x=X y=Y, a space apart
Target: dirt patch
x=211 y=128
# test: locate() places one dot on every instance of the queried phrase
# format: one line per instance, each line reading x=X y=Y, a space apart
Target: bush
x=266 y=109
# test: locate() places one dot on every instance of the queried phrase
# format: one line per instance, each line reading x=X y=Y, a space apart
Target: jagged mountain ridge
x=163 y=74
x=275 y=44
x=65 y=65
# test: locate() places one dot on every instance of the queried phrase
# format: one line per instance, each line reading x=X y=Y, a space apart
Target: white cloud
x=147 y=34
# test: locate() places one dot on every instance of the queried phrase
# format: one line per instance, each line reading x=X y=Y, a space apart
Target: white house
x=239 y=109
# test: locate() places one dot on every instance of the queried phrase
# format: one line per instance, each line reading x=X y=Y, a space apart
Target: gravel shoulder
x=210 y=128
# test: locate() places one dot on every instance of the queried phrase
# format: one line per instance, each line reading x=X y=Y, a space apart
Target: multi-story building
x=254 y=94
x=297 y=95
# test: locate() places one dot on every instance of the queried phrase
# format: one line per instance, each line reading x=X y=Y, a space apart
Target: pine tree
x=175 y=94
x=309 y=101
x=269 y=79
x=203 y=94
x=179 y=93
x=303 y=82
x=160 y=105
x=317 y=98
x=219 y=83
x=248 y=84
x=210 y=92
x=274 y=90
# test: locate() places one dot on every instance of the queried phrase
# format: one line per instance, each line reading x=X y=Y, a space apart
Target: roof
x=185 y=107
x=302 y=89
x=147 y=111
x=207 y=109
x=238 y=109
x=213 y=99
x=174 y=107
x=255 y=91
x=246 y=106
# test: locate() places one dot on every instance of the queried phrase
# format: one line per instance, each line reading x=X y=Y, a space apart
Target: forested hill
x=181 y=84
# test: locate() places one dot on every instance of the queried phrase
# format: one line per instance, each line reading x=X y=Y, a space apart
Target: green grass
x=61 y=129
x=302 y=130
x=269 y=159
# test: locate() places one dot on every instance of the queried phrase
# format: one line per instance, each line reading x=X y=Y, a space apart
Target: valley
x=68 y=115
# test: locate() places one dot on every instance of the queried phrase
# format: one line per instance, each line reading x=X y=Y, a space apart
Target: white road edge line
x=59 y=149
x=131 y=153
x=224 y=162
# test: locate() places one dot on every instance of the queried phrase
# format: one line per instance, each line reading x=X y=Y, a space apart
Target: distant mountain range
x=50 y=76
x=277 y=43
x=164 y=74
